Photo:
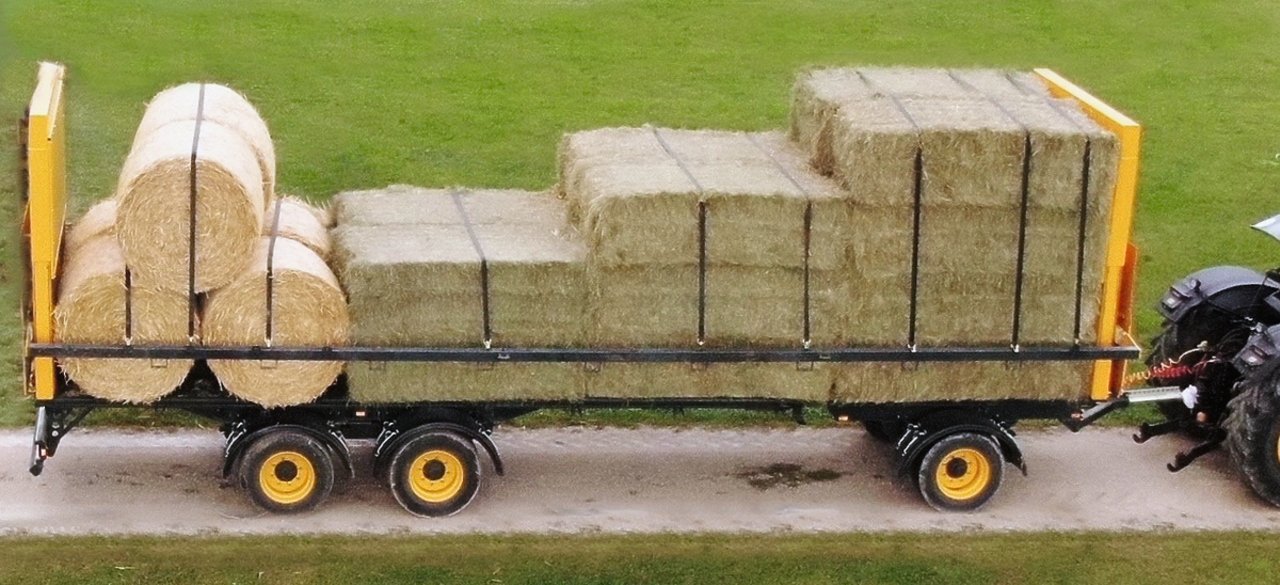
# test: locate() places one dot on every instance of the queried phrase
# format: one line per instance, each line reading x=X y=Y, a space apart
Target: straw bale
x=91 y=308
x=745 y=307
x=915 y=83
x=642 y=210
x=816 y=97
x=307 y=310
x=406 y=204
x=889 y=382
x=747 y=380
x=968 y=258
x=98 y=220
x=420 y=284
x=299 y=221
x=223 y=106
x=153 y=213
x=374 y=383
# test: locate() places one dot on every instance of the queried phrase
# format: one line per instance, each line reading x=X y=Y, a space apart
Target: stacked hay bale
x=966 y=138
x=128 y=277
x=706 y=238
x=460 y=268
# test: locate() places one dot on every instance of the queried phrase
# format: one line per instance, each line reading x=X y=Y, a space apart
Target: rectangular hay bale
x=745 y=307
x=420 y=283
x=381 y=383
x=889 y=382
x=640 y=208
x=759 y=380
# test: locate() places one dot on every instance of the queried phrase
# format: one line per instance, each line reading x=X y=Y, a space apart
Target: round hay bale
x=153 y=220
x=91 y=309
x=299 y=221
x=98 y=220
x=222 y=105
x=309 y=310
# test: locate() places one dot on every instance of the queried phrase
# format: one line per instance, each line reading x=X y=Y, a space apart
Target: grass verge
x=953 y=559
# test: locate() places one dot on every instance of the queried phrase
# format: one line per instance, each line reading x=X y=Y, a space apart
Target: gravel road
x=577 y=480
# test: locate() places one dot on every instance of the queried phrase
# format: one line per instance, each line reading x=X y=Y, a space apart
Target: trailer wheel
x=434 y=474
x=1253 y=436
x=287 y=471
x=960 y=472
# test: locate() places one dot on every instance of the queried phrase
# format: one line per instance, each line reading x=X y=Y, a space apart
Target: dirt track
x=647 y=480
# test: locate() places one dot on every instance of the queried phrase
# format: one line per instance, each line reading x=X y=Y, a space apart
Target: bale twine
x=153 y=214
x=98 y=220
x=222 y=105
x=92 y=309
x=308 y=309
x=299 y=221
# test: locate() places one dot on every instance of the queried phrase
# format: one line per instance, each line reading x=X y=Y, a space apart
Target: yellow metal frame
x=1117 y=285
x=45 y=214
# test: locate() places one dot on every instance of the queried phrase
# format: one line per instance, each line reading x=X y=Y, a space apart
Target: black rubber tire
x=927 y=472
x=256 y=455
x=401 y=467
x=1253 y=435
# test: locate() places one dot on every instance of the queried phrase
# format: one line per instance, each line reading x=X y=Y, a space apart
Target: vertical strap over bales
x=917 y=213
x=484 y=266
x=702 y=237
x=271 y=272
x=806 y=339
x=1023 y=204
x=191 y=219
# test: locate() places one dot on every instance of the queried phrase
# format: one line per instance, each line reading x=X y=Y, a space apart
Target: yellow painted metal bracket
x=46 y=143
x=1118 y=280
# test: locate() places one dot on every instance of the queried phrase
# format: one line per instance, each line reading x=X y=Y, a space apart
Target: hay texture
x=153 y=212
x=299 y=221
x=890 y=382
x=223 y=106
x=413 y=276
x=308 y=309
x=639 y=211
x=91 y=309
x=637 y=207
x=769 y=380
x=100 y=219
x=970 y=130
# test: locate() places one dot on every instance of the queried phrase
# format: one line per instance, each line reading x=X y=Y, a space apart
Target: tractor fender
x=1199 y=287
x=928 y=430
x=239 y=439
x=391 y=442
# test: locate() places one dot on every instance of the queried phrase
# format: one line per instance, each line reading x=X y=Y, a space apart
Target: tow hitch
x=1212 y=437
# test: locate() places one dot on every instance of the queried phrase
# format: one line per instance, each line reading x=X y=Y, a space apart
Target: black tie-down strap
x=484 y=267
x=702 y=237
x=1083 y=218
x=1024 y=193
x=271 y=272
x=807 y=240
x=917 y=212
x=193 y=182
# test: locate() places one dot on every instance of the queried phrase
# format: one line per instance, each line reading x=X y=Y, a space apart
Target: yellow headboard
x=46 y=155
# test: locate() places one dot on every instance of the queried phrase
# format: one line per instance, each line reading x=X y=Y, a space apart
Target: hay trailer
x=430 y=452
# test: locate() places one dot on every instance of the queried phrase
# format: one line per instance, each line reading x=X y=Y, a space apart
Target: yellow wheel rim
x=287 y=477
x=963 y=474
x=437 y=476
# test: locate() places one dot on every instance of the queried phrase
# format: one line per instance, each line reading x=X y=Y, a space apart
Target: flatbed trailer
x=287 y=458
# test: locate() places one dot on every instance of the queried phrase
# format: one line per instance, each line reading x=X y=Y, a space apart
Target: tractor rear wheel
x=1253 y=434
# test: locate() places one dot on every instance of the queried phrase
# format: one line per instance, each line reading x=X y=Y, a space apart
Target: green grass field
x=362 y=94
x=950 y=559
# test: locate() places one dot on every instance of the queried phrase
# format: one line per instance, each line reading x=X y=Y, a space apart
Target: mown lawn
x=367 y=93
x=950 y=559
